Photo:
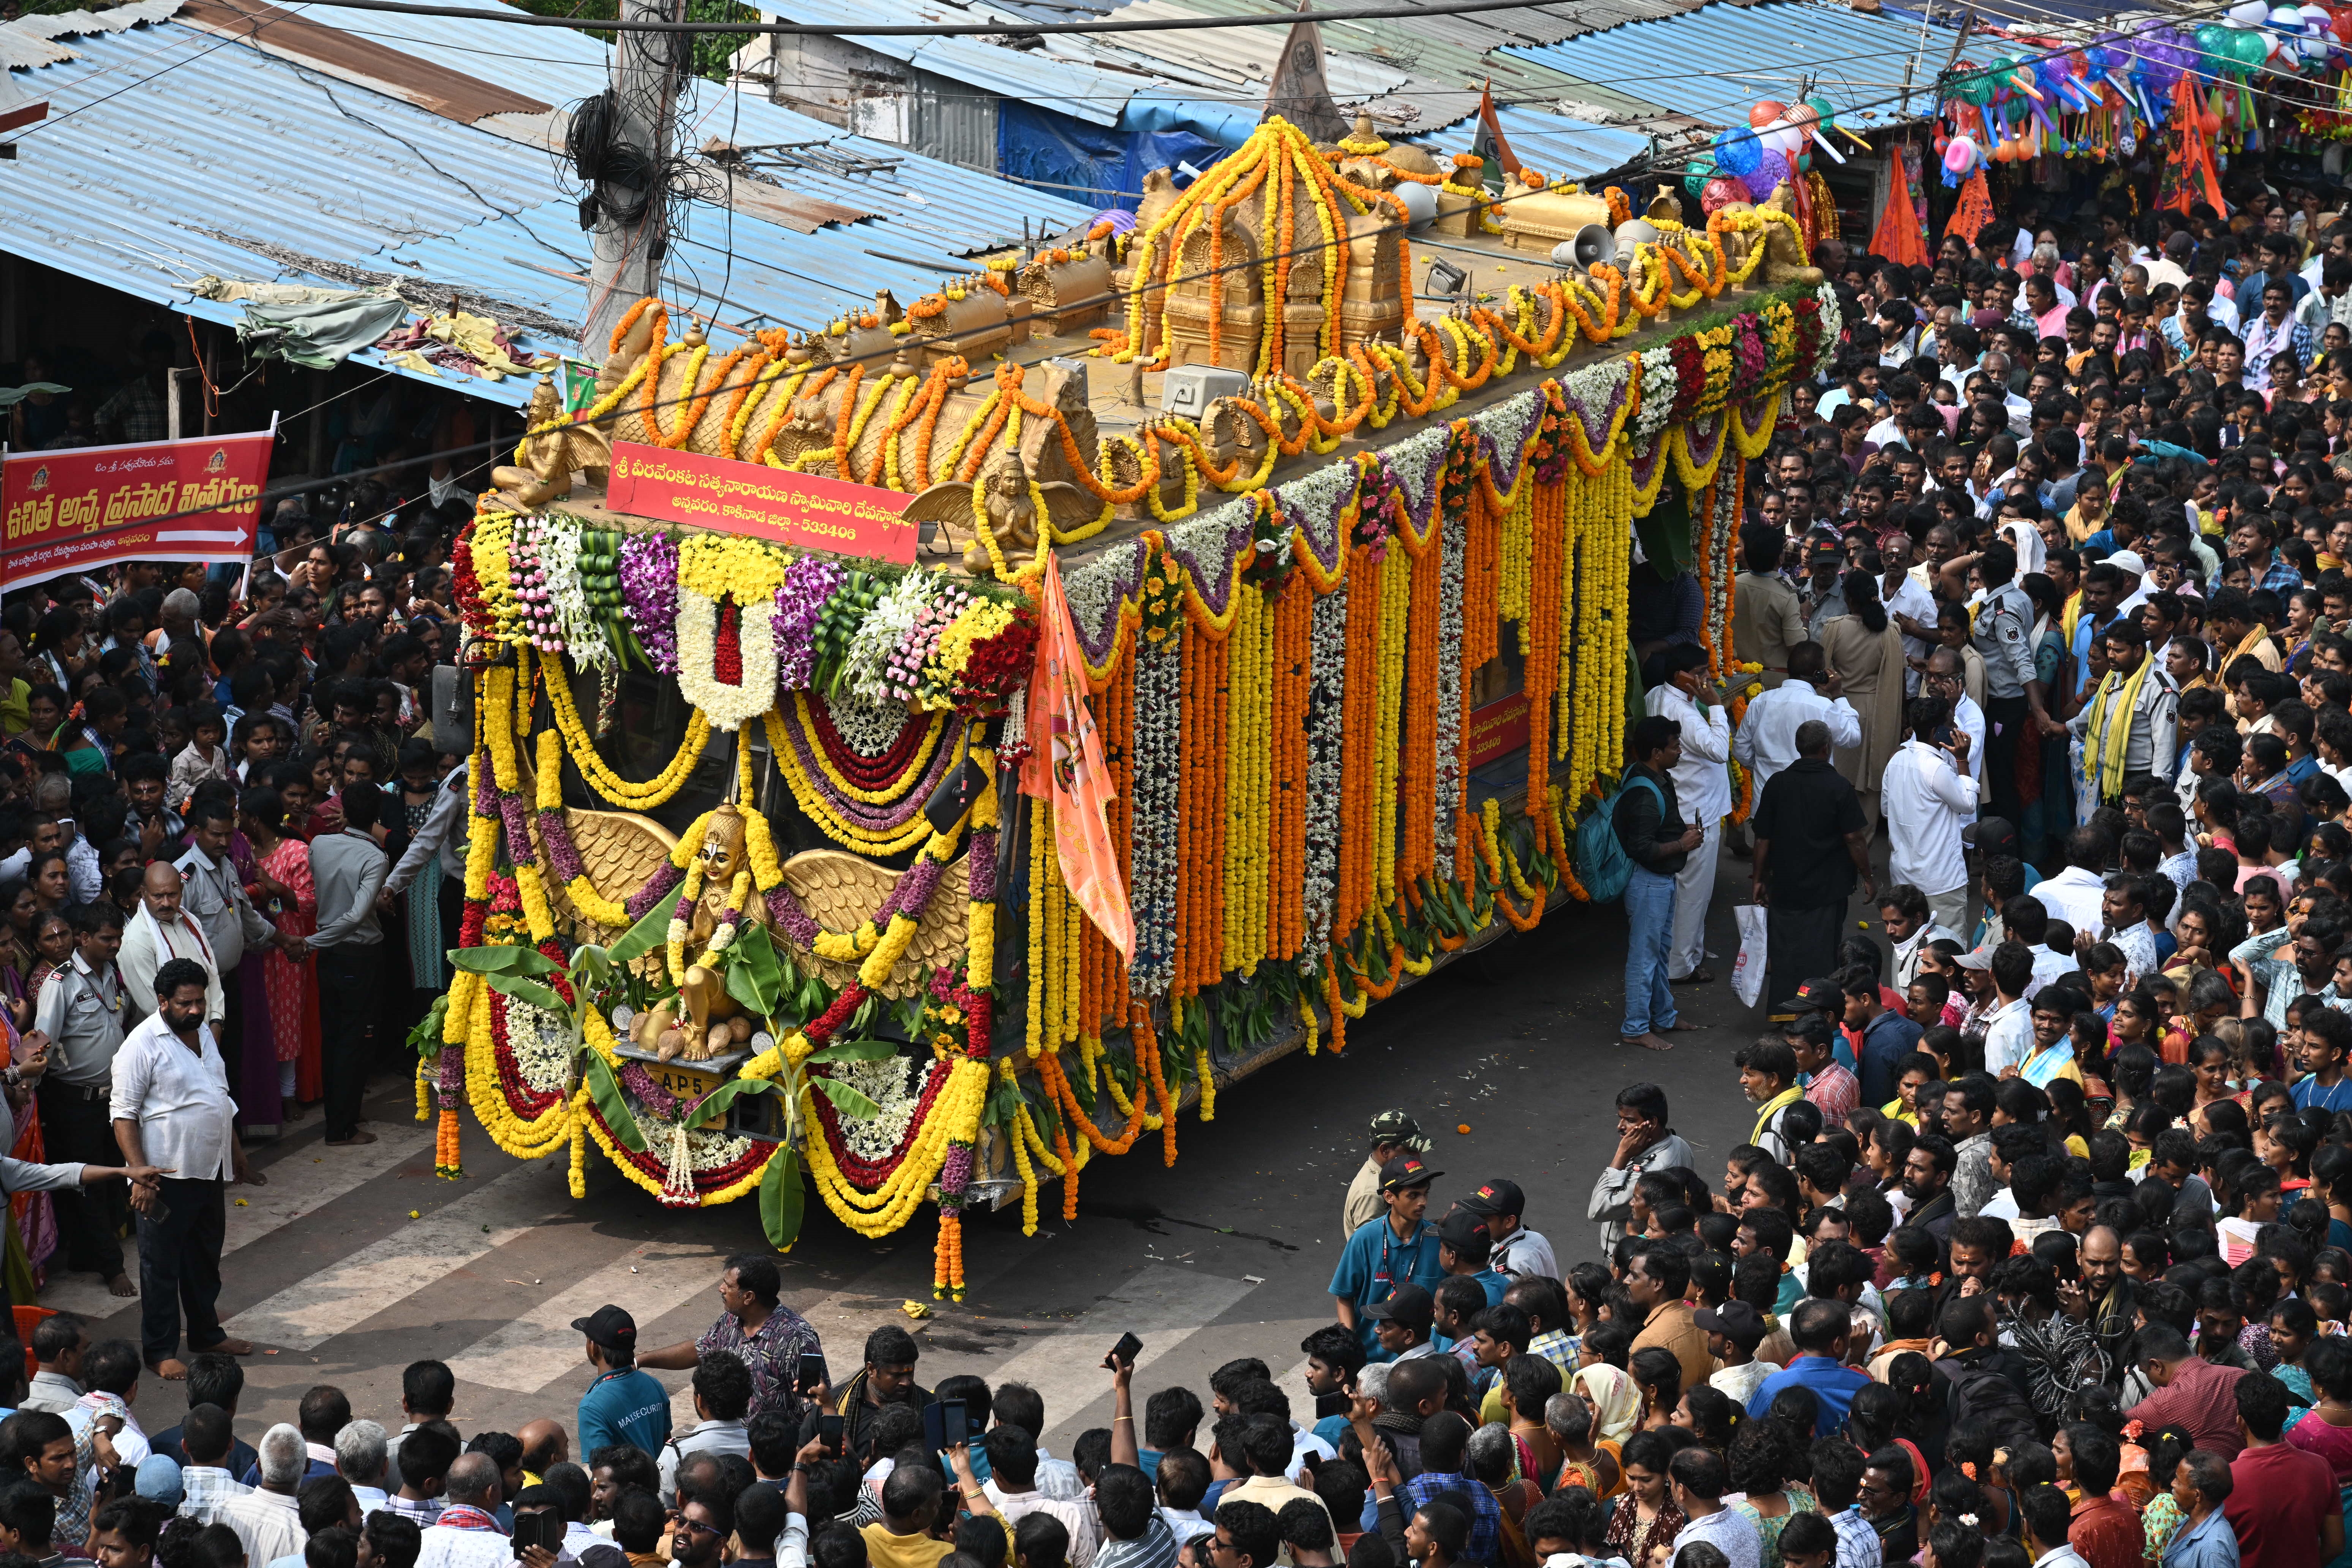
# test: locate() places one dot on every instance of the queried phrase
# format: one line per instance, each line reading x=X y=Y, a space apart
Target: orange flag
x=1066 y=766
x=1897 y=238
x=1975 y=210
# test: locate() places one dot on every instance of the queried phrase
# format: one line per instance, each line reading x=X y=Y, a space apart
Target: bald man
x=545 y=1446
x=468 y=1535
x=160 y=932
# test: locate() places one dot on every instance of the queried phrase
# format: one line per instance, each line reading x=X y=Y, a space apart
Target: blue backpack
x=1601 y=863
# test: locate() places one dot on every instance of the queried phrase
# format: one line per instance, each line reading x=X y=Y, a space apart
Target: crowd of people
x=2062 y=542
x=234 y=771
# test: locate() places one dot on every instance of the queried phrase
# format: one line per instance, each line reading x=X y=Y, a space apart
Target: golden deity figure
x=713 y=1021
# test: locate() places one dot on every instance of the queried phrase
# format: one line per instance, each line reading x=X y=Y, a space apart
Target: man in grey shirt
x=214 y=894
x=349 y=869
x=1644 y=1143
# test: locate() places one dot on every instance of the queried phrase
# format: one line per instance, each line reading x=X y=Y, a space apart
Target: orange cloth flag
x=1975 y=210
x=1897 y=238
x=1065 y=766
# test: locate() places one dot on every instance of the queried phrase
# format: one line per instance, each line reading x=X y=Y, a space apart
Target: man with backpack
x=1651 y=831
x=1988 y=1383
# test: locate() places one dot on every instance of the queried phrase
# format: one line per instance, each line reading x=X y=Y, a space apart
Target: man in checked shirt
x=770 y=1336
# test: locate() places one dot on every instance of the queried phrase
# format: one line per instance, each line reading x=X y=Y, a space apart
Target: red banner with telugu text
x=91 y=506
x=808 y=511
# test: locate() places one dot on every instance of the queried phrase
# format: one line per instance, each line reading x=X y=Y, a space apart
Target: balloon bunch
x=1776 y=148
x=2081 y=102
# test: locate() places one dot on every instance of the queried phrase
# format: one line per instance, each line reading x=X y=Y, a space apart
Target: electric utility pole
x=631 y=235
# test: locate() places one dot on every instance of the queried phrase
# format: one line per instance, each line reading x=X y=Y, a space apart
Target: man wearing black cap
x=1463 y=1249
x=1733 y=1331
x=1392 y=1132
x=1518 y=1253
x=624 y=1405
x=1400 y=1324
x=1399 y=1248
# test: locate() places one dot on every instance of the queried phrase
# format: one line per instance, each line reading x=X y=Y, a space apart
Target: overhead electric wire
x=1652 y=165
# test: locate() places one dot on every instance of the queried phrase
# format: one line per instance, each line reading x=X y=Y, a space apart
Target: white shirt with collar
x=2074 y=895
x=2008 y=1036
x=1767 y=741
x=181 y=1102
x=1702 y=782
x=445 y=1546
x=2064 y=1557
x=1927 y=801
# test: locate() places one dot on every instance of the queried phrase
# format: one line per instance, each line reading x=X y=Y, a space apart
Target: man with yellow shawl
x=2126 y=726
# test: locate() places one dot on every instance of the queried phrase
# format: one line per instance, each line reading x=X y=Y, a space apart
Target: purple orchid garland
x=518 y=826
x=563 y=855
x=663 y=883
x=869 y=818
x=649 y=586
x=809 y=582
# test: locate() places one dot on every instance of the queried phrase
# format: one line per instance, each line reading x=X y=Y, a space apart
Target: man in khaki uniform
x=1393 y=1133
x=1765 y=621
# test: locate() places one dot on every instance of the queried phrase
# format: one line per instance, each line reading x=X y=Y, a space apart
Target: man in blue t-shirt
x=1400 y=1245
x=624 y=1405
x=2326 y=1037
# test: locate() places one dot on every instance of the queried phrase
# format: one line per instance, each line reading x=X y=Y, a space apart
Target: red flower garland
x=726 y=656
x=866 y=773
x=868 y=1173
x=520 y=1097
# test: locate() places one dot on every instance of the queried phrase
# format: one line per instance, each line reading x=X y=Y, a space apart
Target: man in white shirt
x=1908 y=603
x=722 y=1393
x=467 y=1534
x=171 y=1109
x=1947 y=679
x=1929 y=797
x=1012 y=1487
x=1518 y=1253
x=2009 y=1031
x=1703 y=789
x=265 y=1518
x=2077 y=895
x=1767 y=741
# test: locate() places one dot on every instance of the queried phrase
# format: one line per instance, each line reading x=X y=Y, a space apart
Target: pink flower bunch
x=809 y=581
x=903 y=670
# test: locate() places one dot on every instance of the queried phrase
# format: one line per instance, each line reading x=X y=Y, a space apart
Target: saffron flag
x=1897 y=238
x=1298 y=90
x=1066 y=766
x=1975 y=210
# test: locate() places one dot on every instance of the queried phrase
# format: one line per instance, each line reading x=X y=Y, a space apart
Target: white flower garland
x=1318 y=498
x=568 y=597
x=1659 y=385
x=1325 y=703
x=868 y=728
x=1448 y=728
x=875 y=1139
x=1418 y=461
x=540 y=1043
x=1832 y=329
x=1095 y=590
x=1510 y=425
x=1152 y=839
x=727 y=707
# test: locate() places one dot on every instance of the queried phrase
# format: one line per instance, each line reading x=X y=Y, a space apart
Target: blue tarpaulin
x=1106 y=164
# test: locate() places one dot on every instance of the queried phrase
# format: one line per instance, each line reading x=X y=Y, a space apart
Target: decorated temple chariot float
x=916 y=757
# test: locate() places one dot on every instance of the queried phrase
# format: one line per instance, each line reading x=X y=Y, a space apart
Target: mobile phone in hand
x=1123 y=1353
x=830 y=1431
x=810 y=1375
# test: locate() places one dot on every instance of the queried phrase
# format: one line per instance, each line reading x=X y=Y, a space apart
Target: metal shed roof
x=110 y=189
x=1712 y=63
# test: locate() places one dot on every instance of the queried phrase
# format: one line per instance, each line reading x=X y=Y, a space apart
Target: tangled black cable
x=621 y=177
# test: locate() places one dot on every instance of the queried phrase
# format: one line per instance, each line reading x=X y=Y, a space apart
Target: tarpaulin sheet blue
x=1106 y=165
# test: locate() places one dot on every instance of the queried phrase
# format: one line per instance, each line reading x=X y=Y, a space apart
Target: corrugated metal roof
x=1712 y=63
x=1567 y=149
x=119 y=189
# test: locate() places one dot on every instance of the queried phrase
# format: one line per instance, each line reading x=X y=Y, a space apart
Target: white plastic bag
x=1748 y=971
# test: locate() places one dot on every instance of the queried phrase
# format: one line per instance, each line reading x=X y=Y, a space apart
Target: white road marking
x=301 y=1184
x=422 y=1252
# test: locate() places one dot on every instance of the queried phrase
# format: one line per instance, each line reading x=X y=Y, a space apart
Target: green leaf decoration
x=503 y=961
x=650 y=932
x=855 y=1051
x=612 y=1104
x=426 y=1038
x=754 y=978
x=714 y=1105
x=782 y=1200
x=848 y=1100
x=530 y=991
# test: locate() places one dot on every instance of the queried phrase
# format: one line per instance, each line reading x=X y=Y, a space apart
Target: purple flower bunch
x=809 y=582
x=797 y=925
x=912 y=896
x=563 y=855
x=1750 y=357
x=664 y=882
x=955 y=1173
x=518 y=823
x=640 y=1083
x=649 y=585
x=980 y=867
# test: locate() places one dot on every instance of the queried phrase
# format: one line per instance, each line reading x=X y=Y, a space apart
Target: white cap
x=2128 y=561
